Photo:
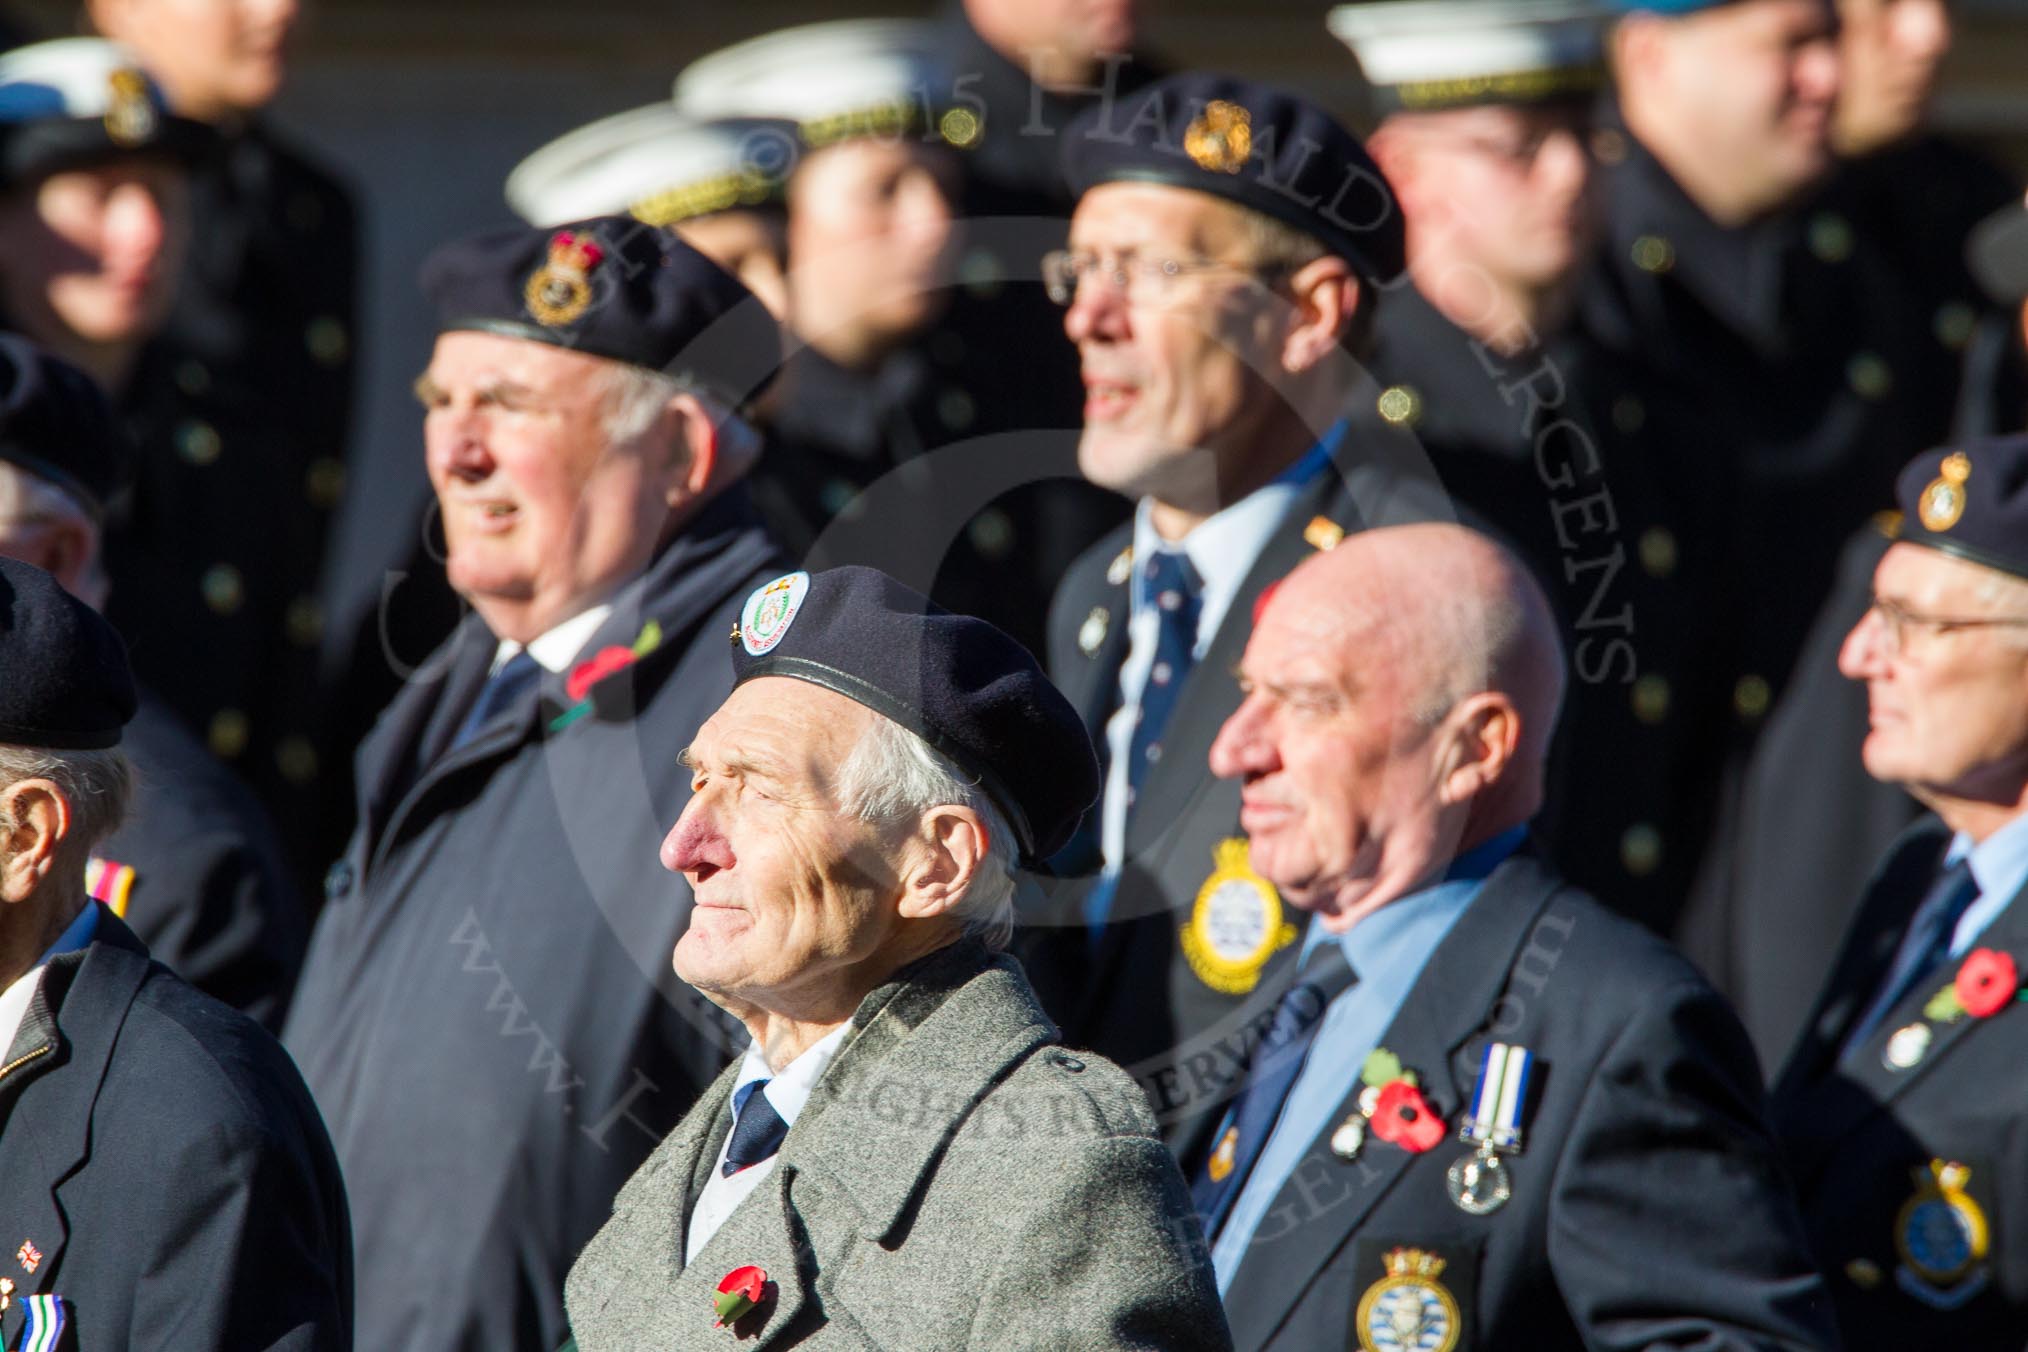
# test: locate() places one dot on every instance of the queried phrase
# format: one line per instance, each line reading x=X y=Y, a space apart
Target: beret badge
x=1221 y=139
x=560 y=290
x=1943 y=502
x=130 y=117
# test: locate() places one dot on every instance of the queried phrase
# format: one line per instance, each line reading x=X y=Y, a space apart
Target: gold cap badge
x=560 y=290
x=1221 y=139
x=1943 y=502
x=130 y=116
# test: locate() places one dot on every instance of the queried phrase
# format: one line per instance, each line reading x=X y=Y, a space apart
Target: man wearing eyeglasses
x=1221 y=275
x=1901 y=1105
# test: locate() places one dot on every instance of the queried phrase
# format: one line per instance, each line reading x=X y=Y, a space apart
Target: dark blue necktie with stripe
x=1270 y=1074
x=1178 y=597
x=757 y=1129
x=1927 y=943
x=515 y=675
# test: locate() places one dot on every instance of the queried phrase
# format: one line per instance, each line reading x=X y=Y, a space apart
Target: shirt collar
x=1223 y=547
x=559 y=646
x=790 y=1090
x=1999 y=866
x=76 y=935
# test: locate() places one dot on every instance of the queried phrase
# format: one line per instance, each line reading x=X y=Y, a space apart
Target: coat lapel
x=70 y=1030
x=1864 y=1084
x=1327 y=1199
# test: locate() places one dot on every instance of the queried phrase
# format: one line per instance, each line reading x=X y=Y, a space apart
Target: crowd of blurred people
x=1594 y=352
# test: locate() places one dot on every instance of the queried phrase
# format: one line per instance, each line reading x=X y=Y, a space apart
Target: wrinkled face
x=870 y=234
x=1337 y=776
x=1892 y=50
x=1505 y=186
x=213 y=57
x=747 y=244
x=1949 y=712
x=1759 y=79
x=95 y=253
x=1177 y=383
x=790 y=890
x=542 y=514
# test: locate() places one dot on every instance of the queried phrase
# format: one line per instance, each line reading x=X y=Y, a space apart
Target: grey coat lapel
x=1326 y=1199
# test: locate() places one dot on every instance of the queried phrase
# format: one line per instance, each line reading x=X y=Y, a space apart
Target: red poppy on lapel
x=1987 y=982
x=1403 y=1116
x=739 y=1291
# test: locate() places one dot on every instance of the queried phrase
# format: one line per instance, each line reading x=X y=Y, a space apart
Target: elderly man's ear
x=953 y=844
x=1479 y=740
x=1326 y=293
x=34 y=819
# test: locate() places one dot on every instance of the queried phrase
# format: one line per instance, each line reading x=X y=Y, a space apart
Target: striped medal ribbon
x=1479 y=1183
x=43 y=1329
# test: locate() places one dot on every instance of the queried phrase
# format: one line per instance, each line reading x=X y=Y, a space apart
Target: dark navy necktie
x=757 y=1129
x=1927 y=943
x=1270 y=1075
x=515 y=675
x=1178 y=597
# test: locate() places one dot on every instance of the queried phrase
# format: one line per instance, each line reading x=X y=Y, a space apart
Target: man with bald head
x=1490 y=1113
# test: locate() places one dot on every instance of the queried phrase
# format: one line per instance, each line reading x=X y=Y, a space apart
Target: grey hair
x=1277 y=247
x=97 y=785
x=892 y=775
x=27 y=496
x=635 y=396
x=2010 y=593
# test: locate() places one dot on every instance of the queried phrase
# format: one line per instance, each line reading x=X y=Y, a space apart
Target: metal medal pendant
x=1479 y=1183
x=1349 y=1137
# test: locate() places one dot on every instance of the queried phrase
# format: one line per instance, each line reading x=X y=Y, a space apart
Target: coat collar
x=1826 y=1097
x=1448 y=1005
x=873 y=1129
x=63 y=1051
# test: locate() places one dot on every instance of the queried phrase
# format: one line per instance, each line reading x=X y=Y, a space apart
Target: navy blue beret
x=64 y=681
x=56 y=424
x=958 y=683
x=1971 y=501
x=610 y=287
x=1260 y=147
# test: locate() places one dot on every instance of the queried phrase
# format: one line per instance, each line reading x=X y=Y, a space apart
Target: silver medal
x=1349 y=1137
x=1906 y=1047
x=1478 y=1183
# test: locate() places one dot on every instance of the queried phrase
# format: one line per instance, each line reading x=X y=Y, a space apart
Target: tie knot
x=757 y=1129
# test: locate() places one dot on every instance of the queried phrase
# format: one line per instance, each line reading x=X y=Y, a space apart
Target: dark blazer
x=956 y=1180
x=1648 y=1205
x=487 y=1014
x=1140 y=999
x=1859 y=1132
x=166 y=1163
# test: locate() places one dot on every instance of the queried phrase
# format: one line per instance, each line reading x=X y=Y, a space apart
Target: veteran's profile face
x=541 y=510
x=95 y=251
x=1334 y=769
x=790 y=890
x=1174 y=373
x=1947 y=707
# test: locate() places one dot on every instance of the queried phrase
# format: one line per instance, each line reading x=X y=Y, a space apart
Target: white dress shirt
x=786 y=1093
x=559 y=646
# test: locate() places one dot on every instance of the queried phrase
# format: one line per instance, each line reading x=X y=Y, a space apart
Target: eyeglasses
x=1897 y=620
x=1142 y=281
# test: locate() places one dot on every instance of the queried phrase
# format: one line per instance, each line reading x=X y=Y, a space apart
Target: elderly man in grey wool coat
x=906 y=1157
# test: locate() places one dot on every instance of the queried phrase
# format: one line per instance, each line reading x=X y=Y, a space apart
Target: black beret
x=1971 y=502
x=76 y=103
x=64 y=682
x=1262 y=148
x=57 y=424
x=958 y=683
x=611 y=287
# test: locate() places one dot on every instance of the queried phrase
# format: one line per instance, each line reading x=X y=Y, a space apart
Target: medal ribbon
x=44 y=1326
x=1502 y=1093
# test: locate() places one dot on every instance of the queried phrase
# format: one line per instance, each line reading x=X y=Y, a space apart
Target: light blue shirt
x=1222 y=549
x=2000 y=868
x=1388 y=950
